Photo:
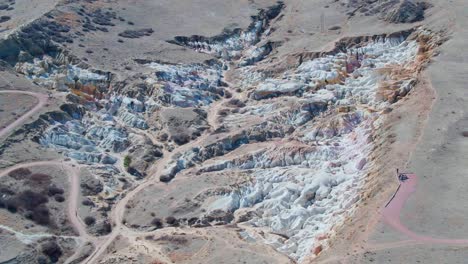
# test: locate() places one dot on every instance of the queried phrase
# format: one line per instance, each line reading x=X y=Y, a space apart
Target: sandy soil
x=13 y=106
x=41 y=101
x=24 y=12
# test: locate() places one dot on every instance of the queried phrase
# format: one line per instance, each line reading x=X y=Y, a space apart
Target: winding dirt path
x=42 y=98
x=73 y=170
x=391 y=213
x=77 y=223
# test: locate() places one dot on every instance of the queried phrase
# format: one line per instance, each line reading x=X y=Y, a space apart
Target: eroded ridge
x=318 y=120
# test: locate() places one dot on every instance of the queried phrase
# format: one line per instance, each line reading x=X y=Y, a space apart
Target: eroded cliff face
x=290 y=145
x=318 y=120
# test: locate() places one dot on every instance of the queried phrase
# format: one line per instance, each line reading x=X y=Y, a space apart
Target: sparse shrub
x=180 y=139
x=32 y=204
x=157 y=222
x=41 y=215
x=59 y=198
x=30 y=200
x=192 y=220
x=28 y=215
x=105 y=228
x=4 y=18
x=42 y=260
x=163 y=137
x=127 y=161
x=12 y=206
x=52 y=250
x=4 y=190
x=19 y=173
x=176 y=240
x=91 y=187
x=87 y=202
x=53 y=190
x=227 y=94
x=172 y=221
x=196 y=134
x=223 y=112
x=39 y=179
x=89 y=220
x=236 y=102
x=136 y=33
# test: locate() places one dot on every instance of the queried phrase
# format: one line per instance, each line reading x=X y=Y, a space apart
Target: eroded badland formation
x=233 y=131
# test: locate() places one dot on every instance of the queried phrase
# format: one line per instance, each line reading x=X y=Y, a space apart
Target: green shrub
x=127 y=161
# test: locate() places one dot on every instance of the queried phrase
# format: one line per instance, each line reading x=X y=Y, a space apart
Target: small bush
x=19 y=173
x=157 y=223
x=89 y=220
x=39 y=179
x=87 y=202
x=136 y=33
x=4 y=190
x=4 y=18
x=127 y=161
x=192 y=220
x=236 y=102
x=172 y=221
x=28 y=215
x=41 y=215
x=42 y=260
x=163 y=137
x=30 y=200
x=105 y=228
x=223 y=112
x=11 y=205
x=59 y=198
x=52 y=250
x=180 y=139
x=53 y=190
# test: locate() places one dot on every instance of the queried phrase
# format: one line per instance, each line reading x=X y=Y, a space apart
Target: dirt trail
x=74 y=190
x=42 y=101
x=391 y=213
x=391 y=216
x=79 y=226
x=118 y=211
